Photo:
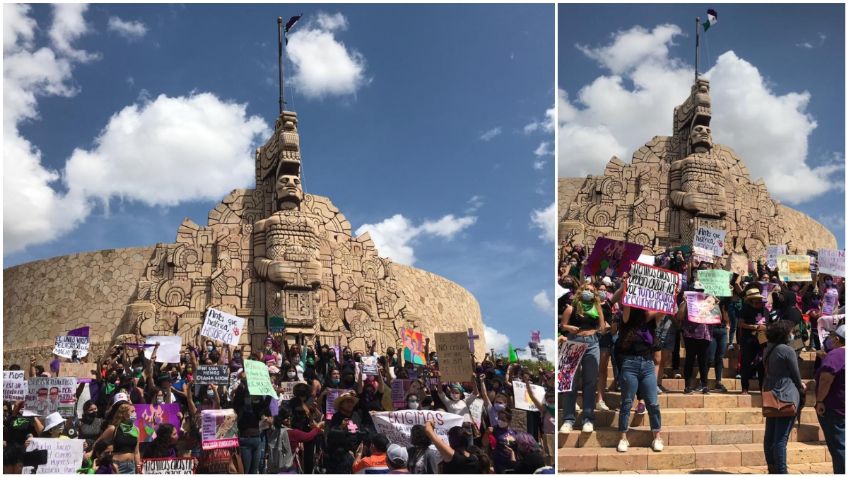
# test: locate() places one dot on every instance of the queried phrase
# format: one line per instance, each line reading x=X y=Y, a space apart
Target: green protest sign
x=715 y=282
x=258 y=379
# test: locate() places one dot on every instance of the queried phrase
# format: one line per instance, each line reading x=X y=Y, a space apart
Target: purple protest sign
x=79 y=332
x=702 y=308
x=150 y=416
x=611 y=257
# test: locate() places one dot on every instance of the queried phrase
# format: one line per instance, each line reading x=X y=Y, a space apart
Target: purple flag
x=79 y=332
x=611 y=258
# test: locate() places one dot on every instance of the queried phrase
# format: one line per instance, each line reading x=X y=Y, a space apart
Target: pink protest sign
x=611 y=257
x=702 y=308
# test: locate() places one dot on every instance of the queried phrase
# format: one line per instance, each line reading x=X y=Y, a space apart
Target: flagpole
x=280 y=58
x=697 y=45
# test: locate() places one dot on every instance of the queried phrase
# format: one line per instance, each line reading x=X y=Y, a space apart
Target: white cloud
x=323 y=65
x=544 y=149
x=395 y=235
x=543 y=302
x=538 y=165
x=128 y=29
x=490 y=134
x=474 y=204
x=496 y=340
x=608 y=117
x=832 y=221
x=68 y=26
x=545 y=219
x=547 y=124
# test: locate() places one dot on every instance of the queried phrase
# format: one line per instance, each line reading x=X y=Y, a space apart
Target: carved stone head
x=701 y=138
x=288 y=191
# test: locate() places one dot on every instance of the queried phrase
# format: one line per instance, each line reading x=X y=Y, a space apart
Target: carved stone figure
x=697 y=181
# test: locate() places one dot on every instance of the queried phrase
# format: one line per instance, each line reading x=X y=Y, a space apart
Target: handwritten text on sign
x=66 y=345
x=397 y=425
x=772 y=252
x=219 y=428
x=222 y=327
x=651 y=288
x=170 y=466
x=710 y=239
x=64 y=456
x=454 y=359
x=832 y=262
x=522 y=391
x=14 y=386
x=715 y=282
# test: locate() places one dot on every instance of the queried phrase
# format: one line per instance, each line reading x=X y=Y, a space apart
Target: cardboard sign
x=212 y=374
x=81 y=371
x=709 y=239
x=169 y=348
x=522 y=391
x=651 y=288
x=610 y=258
x=413 y=347
x=150 y=416
x=715 y=282
x=399 y=389
x=276 y=324
x=772 y=252
x=570 y=355
x=832 y=262
x=369 y=365
x=702 y=308
x=827 y=325
x=64 y=456
x=66 y=345
x=222 y=326
x=332 y=395
x=14 y=386
x=455 y=363
x=258 y=379
x=169 y=465
x=397 y=425
x=519 y=420
x=48 y=395
x=219 y=428
x=794 y=268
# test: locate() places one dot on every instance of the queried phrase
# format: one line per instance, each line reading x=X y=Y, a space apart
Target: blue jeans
x=777 y=434
x=251 y=453
x=637 y=374
x=718 y=348
x=588 y=372
x=126 y=467
x=734 y=317
x=833 y=426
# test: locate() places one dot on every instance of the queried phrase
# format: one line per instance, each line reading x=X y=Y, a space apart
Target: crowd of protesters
x=768 y=321
x=295 y=435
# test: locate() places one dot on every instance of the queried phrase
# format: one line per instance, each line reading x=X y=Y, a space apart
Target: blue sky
x=437 y=113
x=778 y=98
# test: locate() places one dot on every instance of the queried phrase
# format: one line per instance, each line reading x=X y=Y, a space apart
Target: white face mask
x=413 y=405
x=291 y=374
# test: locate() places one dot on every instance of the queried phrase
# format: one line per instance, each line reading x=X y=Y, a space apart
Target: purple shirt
x=834 y=363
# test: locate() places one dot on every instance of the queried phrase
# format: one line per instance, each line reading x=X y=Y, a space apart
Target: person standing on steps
x=783 y=378
x=697 y=337
x=752 y=324
x=830 y=397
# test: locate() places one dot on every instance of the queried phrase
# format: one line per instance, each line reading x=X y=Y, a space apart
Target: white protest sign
x=49 y=395
x=66 y=345
x=646 y=259
x=397 y=425
x=169 y=465
x=169 y=348
x=476 y=410
x=772 y=252
x=287 y=389
x=64 y=456
x=709 y=239
x=222 y=327
x=832 y=262
x=369 y=365
x=522 y=395
x=651 y=288
x=14 y=386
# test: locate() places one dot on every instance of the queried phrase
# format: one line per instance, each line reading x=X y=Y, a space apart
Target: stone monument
x=269 y=251
x=676 y=184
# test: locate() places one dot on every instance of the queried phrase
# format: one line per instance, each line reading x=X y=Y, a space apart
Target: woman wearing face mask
x=753 y=323
x=456 y=402
x=830 y=397
x=165 y=443
x=504 y=454
x=90 y=426
x=581 y=322
x=251 y=411
x=123 y=434
x=422 y=459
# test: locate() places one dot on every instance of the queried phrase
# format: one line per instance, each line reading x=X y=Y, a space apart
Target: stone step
x=693 y=416
x=733 y=354
x=677 y=458
x=677 y=399
x=731 y=384
x=691 y=435
x=807 y=369
x=811 y=468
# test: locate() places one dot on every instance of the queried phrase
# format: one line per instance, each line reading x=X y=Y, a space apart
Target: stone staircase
x=703 y=433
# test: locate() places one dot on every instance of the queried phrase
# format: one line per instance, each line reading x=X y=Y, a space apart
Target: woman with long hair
x=165 y=442
x=123 y=433
x=783 y=378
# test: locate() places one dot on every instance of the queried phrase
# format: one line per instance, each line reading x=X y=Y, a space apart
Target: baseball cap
x=840 y=332
x=607 y=281
x=397 y=454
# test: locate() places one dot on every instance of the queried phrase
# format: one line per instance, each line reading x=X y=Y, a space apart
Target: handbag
x=772 y=406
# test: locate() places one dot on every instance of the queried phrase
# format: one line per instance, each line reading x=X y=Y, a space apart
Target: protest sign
x=794 y=268
x=454 y=359
x=830 y=301
x=702 y=255
x=651 y=288
x=709 y=239
x=397 y=425
x=219 y=428
x=287 y=389
x=832 y=262
x=221 y=326
x=610 y=258
x=212 y=374
x=570 y=355
x=64 y=456
x=772 y=252
x=150 y=416
x=647 y=259
x=332 y=395
x=737 y=263
x=413 y=347
x=522 y=391
x=476 y=410
x=66 y=345
x=715 y=282
x=399 y=389
x=258 y=379
x=702 y=308
x=169 y=348
x=276 y=324
x=49 y=395
x=169 y=465
x=81 y=371
x=519 y=420
x=14 y=386
x=369 y=365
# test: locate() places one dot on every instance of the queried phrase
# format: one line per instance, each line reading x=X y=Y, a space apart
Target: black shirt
x=633 y=334
x=460 y=464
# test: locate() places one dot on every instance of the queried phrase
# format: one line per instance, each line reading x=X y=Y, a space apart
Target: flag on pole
x=712 y=19
x=513 y=357
x=291 y=22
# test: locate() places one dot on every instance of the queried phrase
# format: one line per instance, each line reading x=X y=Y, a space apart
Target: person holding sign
x=696 y=336
x=751 y=334
x=456 y=458
x=581 y=322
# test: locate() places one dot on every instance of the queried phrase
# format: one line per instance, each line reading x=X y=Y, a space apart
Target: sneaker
x=719 y=388
x=602 y=406
x=640 y=409
x=576 y=408
x=705 y=390
x=623 y=445
x=657 y=445
x=659 y=390
x=677 y=374
x=663 y=389
x=738 y=376
x=731 y=347
x=588 y=427
x=566 y=427
x=688 y=390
